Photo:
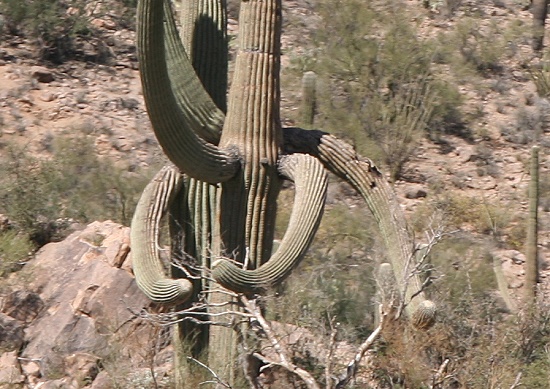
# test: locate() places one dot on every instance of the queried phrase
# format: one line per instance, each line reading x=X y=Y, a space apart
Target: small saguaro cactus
x=539 y=9
x=229 y=159
x=531 y=257
x=309 y=94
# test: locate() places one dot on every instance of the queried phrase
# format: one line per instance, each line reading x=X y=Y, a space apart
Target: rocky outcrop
x=71 y=317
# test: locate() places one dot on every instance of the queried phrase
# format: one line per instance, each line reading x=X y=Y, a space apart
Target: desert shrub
x=376 y=81
x=540 y=75
x=459 y=212
x=486 y=345
x=335 y=280
x=56 y=26
x=42 y=196
x=529 y=125
x=472 y=49
x=14 y=250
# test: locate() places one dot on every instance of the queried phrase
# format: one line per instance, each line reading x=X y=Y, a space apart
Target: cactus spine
x=531 y=260
x=228 y=168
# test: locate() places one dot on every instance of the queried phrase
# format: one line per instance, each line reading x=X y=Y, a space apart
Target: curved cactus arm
x=204 y=117
x=204 y=35
x=310 y=180
x=144 y=237
x=171 y=107
x=341 y=158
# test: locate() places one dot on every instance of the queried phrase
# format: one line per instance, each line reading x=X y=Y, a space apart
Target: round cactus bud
x=424 y=317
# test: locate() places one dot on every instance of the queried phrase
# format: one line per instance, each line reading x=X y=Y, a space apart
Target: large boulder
x=79 y=302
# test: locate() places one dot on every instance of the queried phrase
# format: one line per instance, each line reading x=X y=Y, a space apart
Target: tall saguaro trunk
x=228 y=165
x=253 y=126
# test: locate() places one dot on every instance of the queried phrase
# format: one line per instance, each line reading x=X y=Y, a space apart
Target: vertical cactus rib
x=148 y=267
x=170 y=100
x=310 y=180
x=341 y=159
x=253 y=126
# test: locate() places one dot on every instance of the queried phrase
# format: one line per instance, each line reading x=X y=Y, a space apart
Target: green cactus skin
x=229 y=167
x=385 y=289
x=425 y=315
x=310 y=180
x=148 y=268
x=204 y=36
x=178 y=106
x=502 y=284
x=531 y=257
x=341 y=159
x=309 y=85
x=539 y=9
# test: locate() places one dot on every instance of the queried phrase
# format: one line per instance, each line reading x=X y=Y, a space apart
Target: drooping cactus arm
x=310 y=180
x=341 y=158
x=191 y=96
x=204 y=35
x=169 y=100
x=144 y=237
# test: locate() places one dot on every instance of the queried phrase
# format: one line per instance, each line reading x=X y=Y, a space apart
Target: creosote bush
x=486 y=345
x=41 y=197
x=379 y=85
x=56 y=26
x=14 y=251
x=336 y=279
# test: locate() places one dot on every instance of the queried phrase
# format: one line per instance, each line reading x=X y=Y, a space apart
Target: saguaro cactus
x=531 y=258
x=309 y=89
x=220 y=193
x=539 y=9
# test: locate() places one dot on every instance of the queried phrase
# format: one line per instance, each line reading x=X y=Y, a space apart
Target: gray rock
x=42 y=74
x=416 y=193
x=23 y=305
x=11 y=333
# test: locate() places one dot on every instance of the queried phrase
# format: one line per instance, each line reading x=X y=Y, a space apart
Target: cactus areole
x=228 y=166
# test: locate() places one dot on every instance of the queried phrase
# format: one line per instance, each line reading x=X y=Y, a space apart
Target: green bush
x=53 y=24
x=57 y=25
x=41 y=195
x=14 y=250
x=379 y=85
x=335 y=279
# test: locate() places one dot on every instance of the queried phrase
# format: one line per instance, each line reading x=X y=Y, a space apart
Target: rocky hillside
x=76 y=297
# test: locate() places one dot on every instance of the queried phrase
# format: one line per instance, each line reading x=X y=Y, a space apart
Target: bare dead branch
x=434 y=236
x=352 y=367
x=330 y=352
x=251 y=307
x=438 y=378
x=517 y=382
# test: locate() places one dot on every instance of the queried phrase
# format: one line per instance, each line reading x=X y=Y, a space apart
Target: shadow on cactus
x=228 y=168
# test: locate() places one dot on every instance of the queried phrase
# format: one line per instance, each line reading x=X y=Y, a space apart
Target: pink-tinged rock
x=10 y=373
x=89 y=301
